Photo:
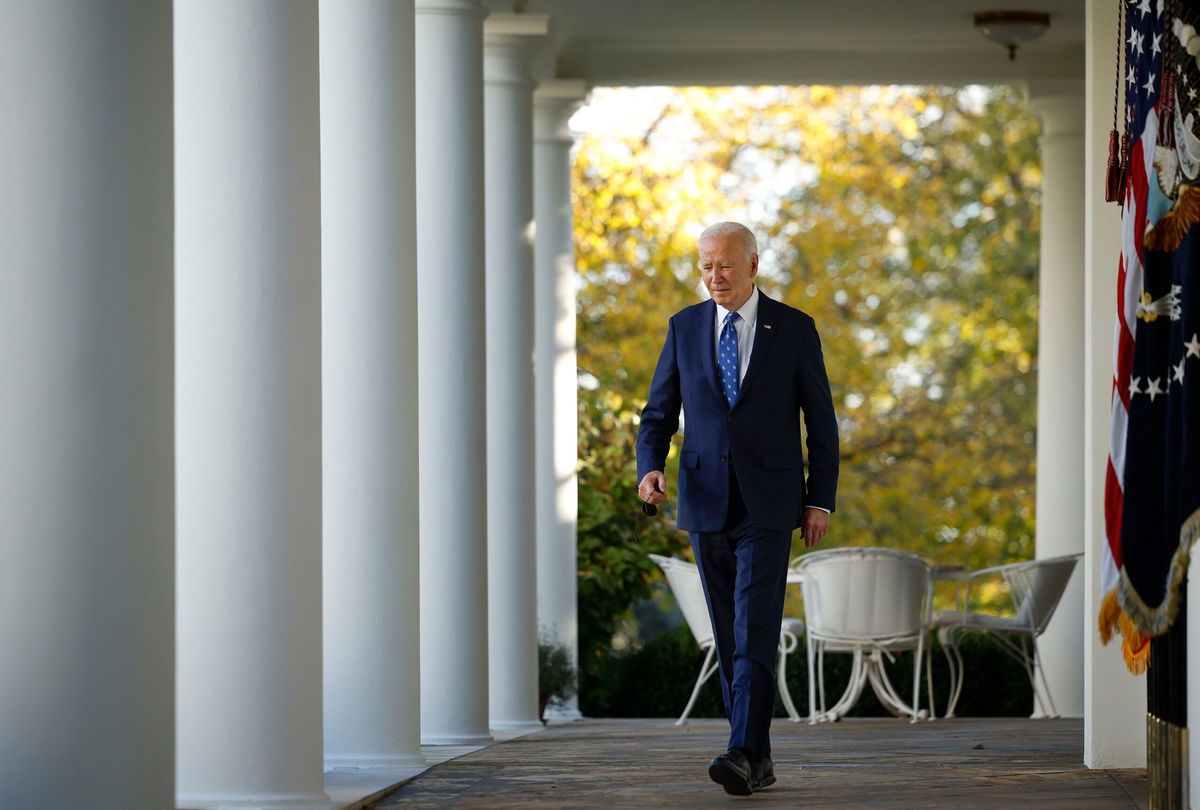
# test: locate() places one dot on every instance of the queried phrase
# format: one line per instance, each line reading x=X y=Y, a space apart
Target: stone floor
x=855 y=763
x=356 y=788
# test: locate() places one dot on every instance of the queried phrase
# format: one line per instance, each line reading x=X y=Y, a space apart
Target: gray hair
x=723 y=229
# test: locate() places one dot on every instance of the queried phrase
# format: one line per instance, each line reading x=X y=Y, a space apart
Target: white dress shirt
x=744 y=326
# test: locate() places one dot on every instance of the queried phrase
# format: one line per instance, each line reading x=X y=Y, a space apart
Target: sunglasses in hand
x=649 y=510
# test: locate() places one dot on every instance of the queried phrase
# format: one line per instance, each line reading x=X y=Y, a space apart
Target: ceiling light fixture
x=1012 y=28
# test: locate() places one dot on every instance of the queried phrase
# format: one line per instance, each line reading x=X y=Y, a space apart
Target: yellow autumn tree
x=905 y=221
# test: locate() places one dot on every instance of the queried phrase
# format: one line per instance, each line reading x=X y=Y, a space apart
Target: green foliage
x=905 y=221
x=657 y=680
x=614 y=571
x=650 y=681
x=556 y=676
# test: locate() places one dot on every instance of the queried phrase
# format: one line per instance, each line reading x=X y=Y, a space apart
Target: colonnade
x=278 y=375
x=271 y=418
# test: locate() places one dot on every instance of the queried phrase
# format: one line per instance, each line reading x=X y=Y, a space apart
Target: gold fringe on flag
x=1154 y=621
x=1110 y=612
x=1135 y=647
x=1123 y=609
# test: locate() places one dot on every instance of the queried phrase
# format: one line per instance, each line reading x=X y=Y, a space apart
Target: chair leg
x=821 y=680
x=706 y=670
x=956 y=665
x=860 y=674
x=1038 y=705
x=781 y=679
x=881 y=684
x=916 y=704
x=929 y=680
x=1033 y=665
x=1037 y=666
x=812 y=681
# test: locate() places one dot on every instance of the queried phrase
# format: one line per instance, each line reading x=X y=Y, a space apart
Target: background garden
x=905 y=221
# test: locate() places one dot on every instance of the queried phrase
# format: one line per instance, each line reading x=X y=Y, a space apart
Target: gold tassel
x=1135 y=647
x=1110 y=612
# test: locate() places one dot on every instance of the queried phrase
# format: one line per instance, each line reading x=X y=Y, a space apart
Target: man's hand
x=816 y=524
x=653 y=488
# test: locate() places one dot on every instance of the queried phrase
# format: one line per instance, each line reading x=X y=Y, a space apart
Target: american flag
x=1152 y=487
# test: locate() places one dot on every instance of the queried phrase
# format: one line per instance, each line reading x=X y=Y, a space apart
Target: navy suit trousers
x=744 y=572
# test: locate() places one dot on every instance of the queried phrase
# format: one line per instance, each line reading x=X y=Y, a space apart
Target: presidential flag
x=1152 y=493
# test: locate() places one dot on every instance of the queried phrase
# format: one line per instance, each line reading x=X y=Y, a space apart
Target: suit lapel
x=708 y=343
x=764 y=334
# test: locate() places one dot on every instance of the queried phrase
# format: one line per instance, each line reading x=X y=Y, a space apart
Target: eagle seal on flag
x=1152 y=489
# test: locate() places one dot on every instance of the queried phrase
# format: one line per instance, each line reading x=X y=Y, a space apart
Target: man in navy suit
x=744 y=368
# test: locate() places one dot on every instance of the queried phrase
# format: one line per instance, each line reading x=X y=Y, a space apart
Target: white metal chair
x=870 y=603
x=1035 y=588
x=684 y=579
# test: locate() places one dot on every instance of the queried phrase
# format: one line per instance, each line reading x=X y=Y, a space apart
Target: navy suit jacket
x=759 y=435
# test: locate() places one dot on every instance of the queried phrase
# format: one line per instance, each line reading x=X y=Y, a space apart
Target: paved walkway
x=855 y=763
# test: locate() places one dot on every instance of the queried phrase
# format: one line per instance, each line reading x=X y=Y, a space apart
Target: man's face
x=728 y=272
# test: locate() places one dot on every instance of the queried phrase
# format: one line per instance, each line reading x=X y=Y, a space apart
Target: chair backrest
x=866 y=594
x=1037 y=586
x=684 y=579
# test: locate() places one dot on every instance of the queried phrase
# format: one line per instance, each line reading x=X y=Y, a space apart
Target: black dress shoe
x=733 y=772
x=763 y=774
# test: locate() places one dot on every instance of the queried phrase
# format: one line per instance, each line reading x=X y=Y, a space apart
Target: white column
x=1060 y=378
x=369 y=392
x=557 y=438
x=86 y=449
x=508 y=200
x=453 y=497
x=1114 y=702
x=248 y=404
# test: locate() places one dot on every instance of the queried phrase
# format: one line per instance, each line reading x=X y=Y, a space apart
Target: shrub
x=656 y=680
x=556 y=676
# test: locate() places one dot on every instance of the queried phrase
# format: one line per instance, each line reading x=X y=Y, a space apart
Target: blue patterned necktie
x=727 y=358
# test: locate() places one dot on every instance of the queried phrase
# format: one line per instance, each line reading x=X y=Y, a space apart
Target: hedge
x=656 y=680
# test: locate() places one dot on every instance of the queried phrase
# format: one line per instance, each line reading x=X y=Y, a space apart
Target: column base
x=361 y=763
x=517 y=725
x=287 y=801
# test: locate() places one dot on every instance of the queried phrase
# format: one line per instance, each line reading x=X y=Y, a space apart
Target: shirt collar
x=748 y=311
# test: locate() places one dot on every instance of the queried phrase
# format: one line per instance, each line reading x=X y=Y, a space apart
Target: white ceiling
x=724 y=42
